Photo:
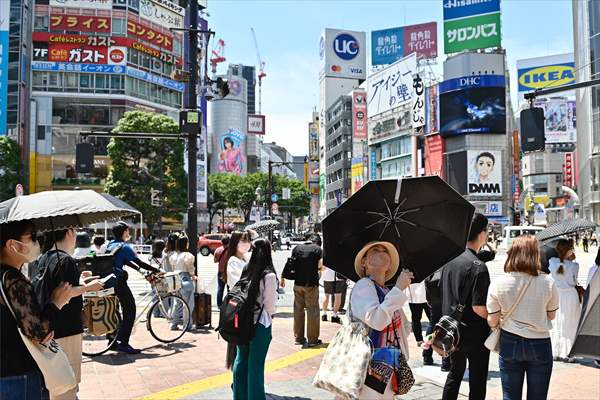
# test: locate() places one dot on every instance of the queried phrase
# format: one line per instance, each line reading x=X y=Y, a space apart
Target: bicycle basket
x=169 y=283
x=100 y=314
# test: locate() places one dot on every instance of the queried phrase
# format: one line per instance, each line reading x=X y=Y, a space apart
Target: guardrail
x=142 y=248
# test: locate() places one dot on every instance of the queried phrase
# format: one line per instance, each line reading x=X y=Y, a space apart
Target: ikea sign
x=549 y=76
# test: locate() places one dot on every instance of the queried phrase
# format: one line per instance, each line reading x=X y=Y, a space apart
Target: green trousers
x=249 y=366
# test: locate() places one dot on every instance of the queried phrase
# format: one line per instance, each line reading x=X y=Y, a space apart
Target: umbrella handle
x=398 y=189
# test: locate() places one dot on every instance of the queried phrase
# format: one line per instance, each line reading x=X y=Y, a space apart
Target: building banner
x=70 y=67
x=162 y=12
x=434 y=155
x=460 y=8
x=232 y=154
x=359 y=114
x=560 y=120
x=546 y=76
x=390 y=45
x=357 y=171
x=313 y=142
x=471 y=33
x=145 y=33
x=421 y=39
x=80 y=23
x=484 y=173
x=391 y=87
x=432 y=110
x=89 y=4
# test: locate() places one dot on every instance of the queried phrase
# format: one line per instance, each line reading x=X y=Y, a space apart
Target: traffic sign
x=286 y=193
x=19 y=190
x=274 y=198
x=275 y=208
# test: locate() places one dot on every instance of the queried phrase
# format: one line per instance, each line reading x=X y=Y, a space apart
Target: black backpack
x=236 y=317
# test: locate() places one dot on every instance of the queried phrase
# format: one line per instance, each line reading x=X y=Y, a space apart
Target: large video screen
x=473 y=110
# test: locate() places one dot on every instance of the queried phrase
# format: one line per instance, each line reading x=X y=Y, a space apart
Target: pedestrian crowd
x=528 y=315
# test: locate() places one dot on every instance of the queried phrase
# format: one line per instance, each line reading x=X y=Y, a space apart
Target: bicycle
x=165 y=309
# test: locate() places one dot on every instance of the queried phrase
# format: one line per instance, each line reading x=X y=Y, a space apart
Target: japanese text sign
x=465 y=8
x=162 y=12
x=391 y=87
x=90 y=4
x=421 y=39
x=150 y=35
x=359 y=114
x=478 y=32
x=82 y=40
x=390 y=45
x=81 y=23
x=418 y=105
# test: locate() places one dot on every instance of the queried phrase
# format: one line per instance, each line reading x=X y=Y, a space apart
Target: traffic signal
x=84 y=158
x=533 y=137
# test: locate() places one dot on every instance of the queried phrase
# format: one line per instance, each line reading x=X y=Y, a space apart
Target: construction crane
x=218 y=55
x=261 y=72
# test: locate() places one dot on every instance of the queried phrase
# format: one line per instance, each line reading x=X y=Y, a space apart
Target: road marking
x=202 y=385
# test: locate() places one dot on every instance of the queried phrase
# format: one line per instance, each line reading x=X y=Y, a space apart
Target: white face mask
x=244 y=247
x=32 y=253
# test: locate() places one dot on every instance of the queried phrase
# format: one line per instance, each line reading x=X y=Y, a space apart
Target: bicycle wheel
x=168 y=318
x=94 y=345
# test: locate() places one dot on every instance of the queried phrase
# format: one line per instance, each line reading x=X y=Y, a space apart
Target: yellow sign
x=357 y=172
x=546 y=77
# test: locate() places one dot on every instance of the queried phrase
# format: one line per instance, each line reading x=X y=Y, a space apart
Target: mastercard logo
x=336 y=68
x=117 y=56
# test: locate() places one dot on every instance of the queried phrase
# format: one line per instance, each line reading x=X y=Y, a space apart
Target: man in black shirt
x=467 y=273
x=307 y=262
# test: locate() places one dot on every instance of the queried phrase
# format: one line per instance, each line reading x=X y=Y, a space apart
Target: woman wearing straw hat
x=380 y=308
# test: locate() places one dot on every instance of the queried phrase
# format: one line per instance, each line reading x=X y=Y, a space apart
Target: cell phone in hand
x=109 y=281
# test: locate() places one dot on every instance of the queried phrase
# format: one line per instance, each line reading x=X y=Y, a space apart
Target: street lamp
x=259 y=195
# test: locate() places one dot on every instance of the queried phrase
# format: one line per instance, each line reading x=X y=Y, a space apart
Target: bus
x=511 y=232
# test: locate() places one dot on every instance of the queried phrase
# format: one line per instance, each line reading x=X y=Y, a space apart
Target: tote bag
x=51 y=360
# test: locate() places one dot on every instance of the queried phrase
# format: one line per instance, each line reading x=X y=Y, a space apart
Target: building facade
x=586 y=33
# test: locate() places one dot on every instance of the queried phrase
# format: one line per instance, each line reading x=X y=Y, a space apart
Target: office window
x=119 y=26
x=40 y=23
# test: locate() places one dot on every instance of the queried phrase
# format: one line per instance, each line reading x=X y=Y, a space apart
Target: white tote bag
x=59 y=377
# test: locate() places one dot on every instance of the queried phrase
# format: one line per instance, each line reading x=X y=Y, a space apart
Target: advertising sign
x=478 y=32
x=256 y=124
x=392 y=86
x=90 y=4
x=418 y=104
x=70 y=67
x=373 y=164
x=83 y=40
x=143 y=32
x=148 y=77
x=390 y=45
x=80 y=23
x=432 y=110
x=560 y=120
x=547 y=76
x=358 y=179
x=162 y=12
x=488 y=208
x=232 y=154
x=313 y=142
x=516 y=167
x=434 y=155
x=343 y=54
x=484 y=173
x=473 y=104
x=4 y=27
x=568 y=170
x=359 y=114
x=461 y=8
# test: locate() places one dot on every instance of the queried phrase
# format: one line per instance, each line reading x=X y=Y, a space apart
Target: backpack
x=236 y=317
x=289 y=270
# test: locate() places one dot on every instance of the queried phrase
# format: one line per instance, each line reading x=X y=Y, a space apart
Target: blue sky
x=288 y=35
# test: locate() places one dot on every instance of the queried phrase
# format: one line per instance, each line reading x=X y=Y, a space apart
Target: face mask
x=244 y=247
x=32 y=253
x=379 y=259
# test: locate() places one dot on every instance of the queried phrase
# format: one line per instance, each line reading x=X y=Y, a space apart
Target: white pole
x=141 y=224
x=105 y=230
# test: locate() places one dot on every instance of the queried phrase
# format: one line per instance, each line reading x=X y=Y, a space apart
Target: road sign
x=286 y=193
x=275 y=208
x=155 y=199
x=274 y=198
x=19 y=190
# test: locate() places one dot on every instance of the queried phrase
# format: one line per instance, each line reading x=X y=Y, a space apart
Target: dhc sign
x=549 y=76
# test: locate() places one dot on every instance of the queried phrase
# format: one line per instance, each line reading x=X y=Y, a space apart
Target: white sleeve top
x=566 y=280
x=267 y=296
x=235 y=266
x=416 y=293
x=185 y=263
x=365 y=304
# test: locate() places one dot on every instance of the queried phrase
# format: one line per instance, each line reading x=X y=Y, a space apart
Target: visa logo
x=356 y=70
x=548 y=76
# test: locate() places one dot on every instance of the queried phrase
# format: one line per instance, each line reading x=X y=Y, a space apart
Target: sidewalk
x=193 y=368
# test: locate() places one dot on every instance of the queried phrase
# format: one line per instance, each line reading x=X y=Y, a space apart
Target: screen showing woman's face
x=484 y=166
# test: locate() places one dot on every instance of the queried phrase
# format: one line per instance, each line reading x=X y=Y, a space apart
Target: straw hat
x=391 y=250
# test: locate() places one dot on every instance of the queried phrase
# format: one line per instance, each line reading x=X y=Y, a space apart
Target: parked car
x=207 y=244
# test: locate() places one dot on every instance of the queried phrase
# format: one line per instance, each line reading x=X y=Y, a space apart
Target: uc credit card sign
x=544 y=77
x=466 y=8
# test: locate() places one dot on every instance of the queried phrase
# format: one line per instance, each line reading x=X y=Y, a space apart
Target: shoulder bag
x=493 y=340
x=51 y=360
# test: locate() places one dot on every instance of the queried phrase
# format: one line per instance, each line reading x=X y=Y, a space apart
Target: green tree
x=11 y=166
x=221 y=194
x=299 y=202
x=141 y=164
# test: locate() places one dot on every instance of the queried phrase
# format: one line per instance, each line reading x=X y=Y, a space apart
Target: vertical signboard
x=568 y=170
x=359 y=114
x=432 y=110
x=418 y=105
x=4 y=27
x=373 y=164
x=232 y=154
x=313 y=141
x=357 y=171
x=434 y=155
x=343 y=54
x=516 y=166
x=470 y=25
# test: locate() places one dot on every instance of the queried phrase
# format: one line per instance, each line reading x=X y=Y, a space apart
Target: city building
x=279 y=155
x=586 y=33
x=93 y=60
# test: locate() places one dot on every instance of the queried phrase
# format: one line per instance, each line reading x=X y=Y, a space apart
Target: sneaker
x=428 y=360
x=324 y=318
x=336 y=320
x=174 y=327
x=309 y=345
x=445 y=367
x=597 y=363
x=126 y=348
x=300 y=342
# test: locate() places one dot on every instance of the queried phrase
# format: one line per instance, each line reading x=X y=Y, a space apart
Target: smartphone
x=109 y=281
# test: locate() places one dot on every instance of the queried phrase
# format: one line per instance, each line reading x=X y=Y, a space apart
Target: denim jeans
x=520 y=356
x=23 y=387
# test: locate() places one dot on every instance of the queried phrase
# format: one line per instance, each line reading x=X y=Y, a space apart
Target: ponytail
x=561 y=269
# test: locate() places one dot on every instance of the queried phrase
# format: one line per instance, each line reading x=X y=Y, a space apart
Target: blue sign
x=373 y=164
x=345 y=46
x=148 y=77
x=473 y=81
x=3 y=80
x=387 y=46
x=274 y=198
x=72 y=67
x=466 y=8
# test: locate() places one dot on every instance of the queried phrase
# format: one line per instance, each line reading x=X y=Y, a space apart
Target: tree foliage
x=141 y=164
x=11 y=167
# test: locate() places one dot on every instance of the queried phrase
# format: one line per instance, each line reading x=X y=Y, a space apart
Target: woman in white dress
x=381 y=308
x=564 y=270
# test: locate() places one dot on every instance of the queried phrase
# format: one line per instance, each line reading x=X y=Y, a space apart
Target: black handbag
x=289 y=270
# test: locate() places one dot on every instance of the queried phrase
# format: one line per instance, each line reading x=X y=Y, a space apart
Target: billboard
x=488 y=208
x=70 y=67
x=358 y=178
x=560 y=120
x=232 y=154
x=392 y=86
x=74 y=53
x=390 y=45
x=418 y=104
x=145 y=33
x=545 y=72
x=256 y=124
x=80 y=23
x=484 y=173
x=478 y=32
x=434 y=155
x=343 y=54
x=432 y=109
x=4 y=28
x=460 y=8
x=162 y=12
x=313 y=141
x=473 y=104
x=359 y=114
x=90 y=4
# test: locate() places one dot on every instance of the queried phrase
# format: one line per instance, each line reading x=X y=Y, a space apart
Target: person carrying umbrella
x=126 y=255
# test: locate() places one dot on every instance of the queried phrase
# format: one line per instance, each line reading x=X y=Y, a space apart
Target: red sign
x=83 y=40
x=421 y=39
x=359 y=114
x=150 y=35
x=81 y=23
x=168 y=58
x=568 y=170
x=77 y=54
x=516 y=164
x=434 y=155
x=117 y=56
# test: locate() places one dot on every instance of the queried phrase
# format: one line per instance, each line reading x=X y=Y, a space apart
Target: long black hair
x=235 y=239
x=597 y=261
x=260 y=264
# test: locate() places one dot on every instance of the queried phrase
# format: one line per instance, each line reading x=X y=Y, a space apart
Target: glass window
x=41 y=23
x=115 y=82
x=84 y=80
x=54 y=79
x=71 y=80
x=119 y=26
x=177 y=47
x=101 y=81
x=40 y=78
